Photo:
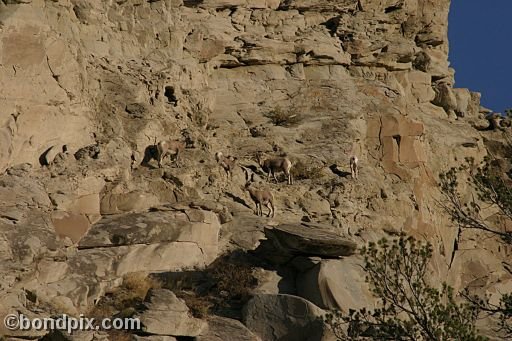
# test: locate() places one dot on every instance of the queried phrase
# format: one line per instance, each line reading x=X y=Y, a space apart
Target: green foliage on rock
x=491 y=187
x=410 y=307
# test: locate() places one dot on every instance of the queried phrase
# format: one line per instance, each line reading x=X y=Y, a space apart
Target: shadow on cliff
x=335 y=170
x=224 y=287
x=150 y=153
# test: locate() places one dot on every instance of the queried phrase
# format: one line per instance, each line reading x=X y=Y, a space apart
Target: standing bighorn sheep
x=259 y=196
x=165 y=148
x=277 y=164
x=354 y=167
x=226 y=162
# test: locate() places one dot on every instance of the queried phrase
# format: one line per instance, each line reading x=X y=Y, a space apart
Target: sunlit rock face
x=89 y=87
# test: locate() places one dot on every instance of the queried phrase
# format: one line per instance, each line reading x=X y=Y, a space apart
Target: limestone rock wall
x=88 y=87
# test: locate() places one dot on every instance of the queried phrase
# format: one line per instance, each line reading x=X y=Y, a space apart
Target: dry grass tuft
x=124 y=298
x=199 y=305
x=139 y=283
x=282 y=118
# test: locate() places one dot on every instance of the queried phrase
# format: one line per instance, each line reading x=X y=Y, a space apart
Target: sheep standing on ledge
x=354 y=168
x=165 y=148
x=277 y=164
x=228 y=163
x=260 y=198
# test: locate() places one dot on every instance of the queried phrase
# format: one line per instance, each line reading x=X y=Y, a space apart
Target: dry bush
x=123 y=301
x=199 y=305
x=223 y=284
x=303 y=171
x=103 y=309
x=139 y=283
x=282 y=118
x=233 y=281
x=131 y=293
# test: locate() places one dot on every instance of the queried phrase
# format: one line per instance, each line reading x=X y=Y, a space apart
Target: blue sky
x=481 y=49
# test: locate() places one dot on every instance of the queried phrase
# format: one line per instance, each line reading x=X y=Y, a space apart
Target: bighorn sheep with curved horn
x=174 y=147
x=228 y=163
x=260 y=197
x=276 y=164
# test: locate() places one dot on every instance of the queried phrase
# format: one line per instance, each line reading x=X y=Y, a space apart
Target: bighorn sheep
x=226 y=162
x=260 y=197
x=354 y=168
x=165 y=148
x=277 y=164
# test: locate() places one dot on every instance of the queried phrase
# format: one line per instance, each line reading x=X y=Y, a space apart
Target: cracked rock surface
x=87 y=88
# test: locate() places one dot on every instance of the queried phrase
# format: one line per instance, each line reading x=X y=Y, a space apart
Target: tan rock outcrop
x=285 y=317
x=336 y=284
x=224 y=329
x=89 y=87
x=166 y=314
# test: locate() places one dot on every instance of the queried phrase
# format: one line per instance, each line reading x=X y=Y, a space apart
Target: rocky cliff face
x=89 y=86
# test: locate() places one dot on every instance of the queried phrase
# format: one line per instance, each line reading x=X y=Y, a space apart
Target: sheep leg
x=270 y=209
x=354 y=172
x=275 y=178
x=268 y=176
x=178 y=158
x=160 y=160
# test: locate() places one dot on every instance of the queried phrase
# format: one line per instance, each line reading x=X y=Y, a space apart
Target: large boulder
x=336 y=284
x=159 y=241
x=445 y=97
x=194 y=228
x=309 y=239
x=285 y=317
x=165 y=314
x=224 y=329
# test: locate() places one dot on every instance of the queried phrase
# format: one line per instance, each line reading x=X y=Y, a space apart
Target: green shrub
x=409 y=309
